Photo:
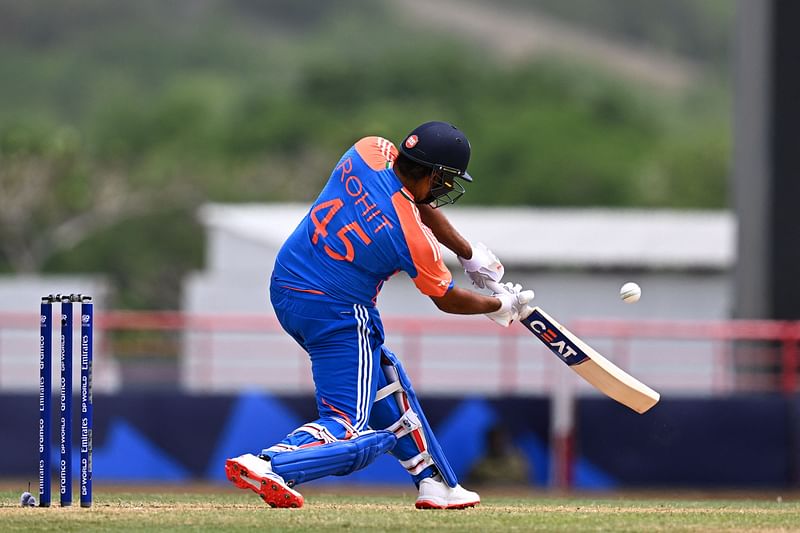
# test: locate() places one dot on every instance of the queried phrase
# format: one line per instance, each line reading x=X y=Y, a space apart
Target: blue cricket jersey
x=362 y=229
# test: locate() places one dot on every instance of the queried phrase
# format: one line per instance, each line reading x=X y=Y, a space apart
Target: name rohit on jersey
x=355 y=190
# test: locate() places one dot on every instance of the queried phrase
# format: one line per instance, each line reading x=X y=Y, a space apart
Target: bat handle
x=494 y=286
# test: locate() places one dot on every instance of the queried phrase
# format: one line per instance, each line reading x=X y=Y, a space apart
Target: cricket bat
x=604 y=375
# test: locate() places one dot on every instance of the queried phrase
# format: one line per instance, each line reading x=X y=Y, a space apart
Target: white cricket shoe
x=250 y=472
x=434 y=493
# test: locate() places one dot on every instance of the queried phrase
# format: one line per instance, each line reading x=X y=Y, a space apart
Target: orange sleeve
x=433 y=278
x=377 y=152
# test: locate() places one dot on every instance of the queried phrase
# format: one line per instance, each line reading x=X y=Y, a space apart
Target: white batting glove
x=514 y=303
x=483 y=266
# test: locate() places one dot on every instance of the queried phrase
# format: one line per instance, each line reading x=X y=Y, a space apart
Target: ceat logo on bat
x=412 y=141
x=558 y=343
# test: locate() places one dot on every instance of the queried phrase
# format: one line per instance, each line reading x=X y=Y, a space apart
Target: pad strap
x=418 y=463
x=407 y=423
x=391 y=388
x=277 y=448
x=318 y=431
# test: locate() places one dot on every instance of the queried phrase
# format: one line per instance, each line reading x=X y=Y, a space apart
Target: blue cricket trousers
x=344 y=344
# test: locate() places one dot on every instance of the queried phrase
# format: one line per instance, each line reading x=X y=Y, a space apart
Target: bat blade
x=598 y=371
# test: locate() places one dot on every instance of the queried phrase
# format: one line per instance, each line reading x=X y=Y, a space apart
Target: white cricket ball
x=630 y=293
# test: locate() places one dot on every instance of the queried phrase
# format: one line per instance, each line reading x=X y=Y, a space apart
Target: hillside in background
x=700 y=31
x=528 y=33
x=118 y=119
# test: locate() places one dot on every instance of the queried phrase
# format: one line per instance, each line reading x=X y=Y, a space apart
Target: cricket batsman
x=376 y=215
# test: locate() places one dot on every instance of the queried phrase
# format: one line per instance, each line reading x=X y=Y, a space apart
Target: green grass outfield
x=330 y=509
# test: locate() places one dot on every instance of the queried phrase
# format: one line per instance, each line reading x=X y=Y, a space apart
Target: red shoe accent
x=272 y=491
x=427 y=504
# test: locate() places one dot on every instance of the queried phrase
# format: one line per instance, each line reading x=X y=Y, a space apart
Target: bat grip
x=494 y=286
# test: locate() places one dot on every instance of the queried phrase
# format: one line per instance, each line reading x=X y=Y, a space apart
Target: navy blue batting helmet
x=446 y=150
x=438 y=144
